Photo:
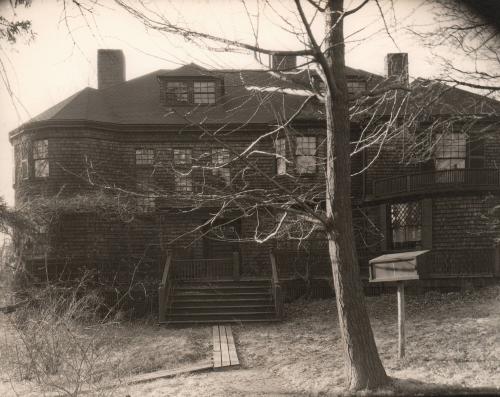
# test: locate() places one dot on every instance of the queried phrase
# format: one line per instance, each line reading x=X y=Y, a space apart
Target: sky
x=61 y=59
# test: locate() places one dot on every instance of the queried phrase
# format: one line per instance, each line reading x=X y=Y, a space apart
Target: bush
x=60 y=339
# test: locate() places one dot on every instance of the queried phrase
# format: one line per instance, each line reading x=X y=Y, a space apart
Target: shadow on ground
x=412 y=387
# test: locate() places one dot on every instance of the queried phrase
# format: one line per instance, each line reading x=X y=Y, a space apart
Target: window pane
x=183 y=183
x=177 y=91
x=182 y=156
x=41 y=168
x=40 y=149
x=406 y=225
x=220 y=156
x=450 y=151
x=146 y=203
x=306 y=164
x=204 y=92
x=306 y=145
x=144 y=156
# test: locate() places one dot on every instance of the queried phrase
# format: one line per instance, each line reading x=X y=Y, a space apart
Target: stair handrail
x=165 y=287
x=276 y=286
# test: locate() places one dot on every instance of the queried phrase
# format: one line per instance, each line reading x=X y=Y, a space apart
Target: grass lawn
x=453 y=344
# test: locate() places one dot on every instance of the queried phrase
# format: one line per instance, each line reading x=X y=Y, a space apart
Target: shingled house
x=165 y=150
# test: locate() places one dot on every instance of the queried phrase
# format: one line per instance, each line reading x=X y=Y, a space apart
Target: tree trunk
x=364 y=368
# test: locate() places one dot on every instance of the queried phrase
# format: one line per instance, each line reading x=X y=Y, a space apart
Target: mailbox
x=397 y=267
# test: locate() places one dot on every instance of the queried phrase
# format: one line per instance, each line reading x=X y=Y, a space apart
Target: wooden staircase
x=220 y=302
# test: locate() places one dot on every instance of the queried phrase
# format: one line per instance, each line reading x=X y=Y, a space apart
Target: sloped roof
x=442 y=99
x=250 y=96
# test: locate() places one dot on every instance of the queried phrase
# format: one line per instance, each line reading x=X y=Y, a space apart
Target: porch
x=440 y=181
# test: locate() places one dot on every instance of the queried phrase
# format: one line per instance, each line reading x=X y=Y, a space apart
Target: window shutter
x=476 y=153
x=427 y=223
x=384 y=227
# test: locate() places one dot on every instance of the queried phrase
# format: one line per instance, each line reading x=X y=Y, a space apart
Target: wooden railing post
x=278 y=298
x=164 y=288
x=236 y=265
x=496 y=268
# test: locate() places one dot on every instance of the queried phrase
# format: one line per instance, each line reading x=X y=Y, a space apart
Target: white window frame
x=305 y=154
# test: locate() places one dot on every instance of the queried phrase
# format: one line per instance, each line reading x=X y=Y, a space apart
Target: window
x=305 y=154
x=406 y=225
x=183 y=183
x=144 y=156
x=280 y=156
x=40 y=159
x=355 y=87
x=204 y=92
x=177 y=92
x=450 y=151
x=183 y=179
x=220 y=159
x=187 y=92
x=145 y=189
x=182 y=157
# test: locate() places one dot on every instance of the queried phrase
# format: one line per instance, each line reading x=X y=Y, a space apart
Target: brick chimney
x=110 y=68
x=396 y=67
x=282 y=62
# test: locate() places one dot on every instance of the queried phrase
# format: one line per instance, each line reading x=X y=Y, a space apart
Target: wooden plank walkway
x=224 y=348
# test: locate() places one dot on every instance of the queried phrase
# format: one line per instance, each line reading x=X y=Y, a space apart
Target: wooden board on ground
x=167 y=373
x=217 y=356
x=224 y=348
x=233 y=357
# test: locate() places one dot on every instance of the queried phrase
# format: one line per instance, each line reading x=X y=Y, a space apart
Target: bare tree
x=363 y=365
x=471 y=29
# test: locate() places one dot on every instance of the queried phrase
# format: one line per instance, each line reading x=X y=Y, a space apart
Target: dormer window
x=204 y=92
x=177 y=92
x=185 y=91
x=356 y=87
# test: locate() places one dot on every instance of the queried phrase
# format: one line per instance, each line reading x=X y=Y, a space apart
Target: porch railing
x=165 y=288
x=438 y=181
x=206 y=269
x=276 y=286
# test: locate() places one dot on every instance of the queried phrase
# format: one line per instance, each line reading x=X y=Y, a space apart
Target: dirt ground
x=453 y=346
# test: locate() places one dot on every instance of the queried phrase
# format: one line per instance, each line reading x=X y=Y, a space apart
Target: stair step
x=224 y=302
x=232 y=295
x=222 y=290
x=221 y=309
x=221 y=317
x=188 y=322
x=223 y=282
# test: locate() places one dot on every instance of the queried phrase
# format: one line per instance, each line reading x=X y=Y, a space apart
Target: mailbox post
x=401 y=319
x=398 y=268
